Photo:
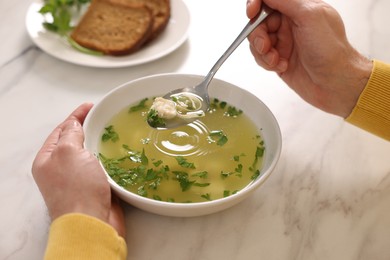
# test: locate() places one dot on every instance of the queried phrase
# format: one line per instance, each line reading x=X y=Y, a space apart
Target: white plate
x=171 y=38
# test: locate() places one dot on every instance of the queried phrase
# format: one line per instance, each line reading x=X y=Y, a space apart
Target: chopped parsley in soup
x=213 y=157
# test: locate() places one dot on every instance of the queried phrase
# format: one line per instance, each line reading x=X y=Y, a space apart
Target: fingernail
x=259 y=45
x=268 y=58
x=282 y=66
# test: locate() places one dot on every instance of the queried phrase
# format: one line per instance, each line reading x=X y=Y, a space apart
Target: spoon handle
x=252 y=24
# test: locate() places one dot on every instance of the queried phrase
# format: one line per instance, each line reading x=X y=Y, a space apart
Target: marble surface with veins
x=328 y=198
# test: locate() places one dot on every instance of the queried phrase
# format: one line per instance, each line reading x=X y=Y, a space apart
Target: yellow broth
x=211 y=158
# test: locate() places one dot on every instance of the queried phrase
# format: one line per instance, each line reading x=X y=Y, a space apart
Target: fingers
x=44 y=153
x=71 y=129
x=263 y=38
x=270 y=60
x=80 y=113
x=252 y=8
x=264 y=44
x=71 y=134
x=75 y=119
x=260 y=40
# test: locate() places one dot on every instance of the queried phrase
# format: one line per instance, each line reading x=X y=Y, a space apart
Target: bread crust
x=114 y=28
x=161 y=10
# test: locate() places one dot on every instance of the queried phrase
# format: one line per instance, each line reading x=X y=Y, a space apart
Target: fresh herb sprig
x=58 y=16
x=61 y=12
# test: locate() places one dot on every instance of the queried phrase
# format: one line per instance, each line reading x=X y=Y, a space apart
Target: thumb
x=71 y=130
x=71 y=133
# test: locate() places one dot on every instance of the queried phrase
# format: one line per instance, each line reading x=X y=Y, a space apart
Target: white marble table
x=328 y=198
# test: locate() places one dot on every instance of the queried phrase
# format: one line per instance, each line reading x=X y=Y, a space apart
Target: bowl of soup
x=199 y=168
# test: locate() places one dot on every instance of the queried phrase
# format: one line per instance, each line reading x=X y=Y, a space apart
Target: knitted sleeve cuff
x=372 y=111
x=78 y=236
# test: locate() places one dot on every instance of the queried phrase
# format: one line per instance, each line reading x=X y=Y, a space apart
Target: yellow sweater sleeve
x=78 y=236
x=372 y=111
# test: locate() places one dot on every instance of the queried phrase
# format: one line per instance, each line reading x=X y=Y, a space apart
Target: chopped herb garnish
x=110 y=134
x=255 y=175
x=140 y=106
x=183 y=162
x=206 y=196
x=154 y=120
x=239 y=168
x=201 y=184
x=214 y=104
x=156 y=197
x=202 y=175
x=150 y=175
x=217 y=136
x=157 y=163
x=133 y=170
x=153 y=185
x=233 y=112
x=236 y=158
x=182 y=177
x=144 y=159
x=258 y=154
x=225 y=174
x=112 y=165
x=164 y=171
x=142 y=192
x=222 y=140
x=260 y=151
x=136 y=156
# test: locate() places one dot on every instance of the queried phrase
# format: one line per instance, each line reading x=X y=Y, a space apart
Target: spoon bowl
x=200 y=91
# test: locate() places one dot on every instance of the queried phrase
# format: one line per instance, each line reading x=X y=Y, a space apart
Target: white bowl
x=132 y=92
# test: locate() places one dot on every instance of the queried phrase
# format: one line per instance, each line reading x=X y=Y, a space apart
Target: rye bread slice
x=114 y=28
x=161 y=10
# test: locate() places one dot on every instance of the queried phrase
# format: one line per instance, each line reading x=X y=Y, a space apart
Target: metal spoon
x=200 y=91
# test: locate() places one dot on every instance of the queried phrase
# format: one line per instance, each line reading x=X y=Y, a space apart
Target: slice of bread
x=161 y=10
x=114 y=28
